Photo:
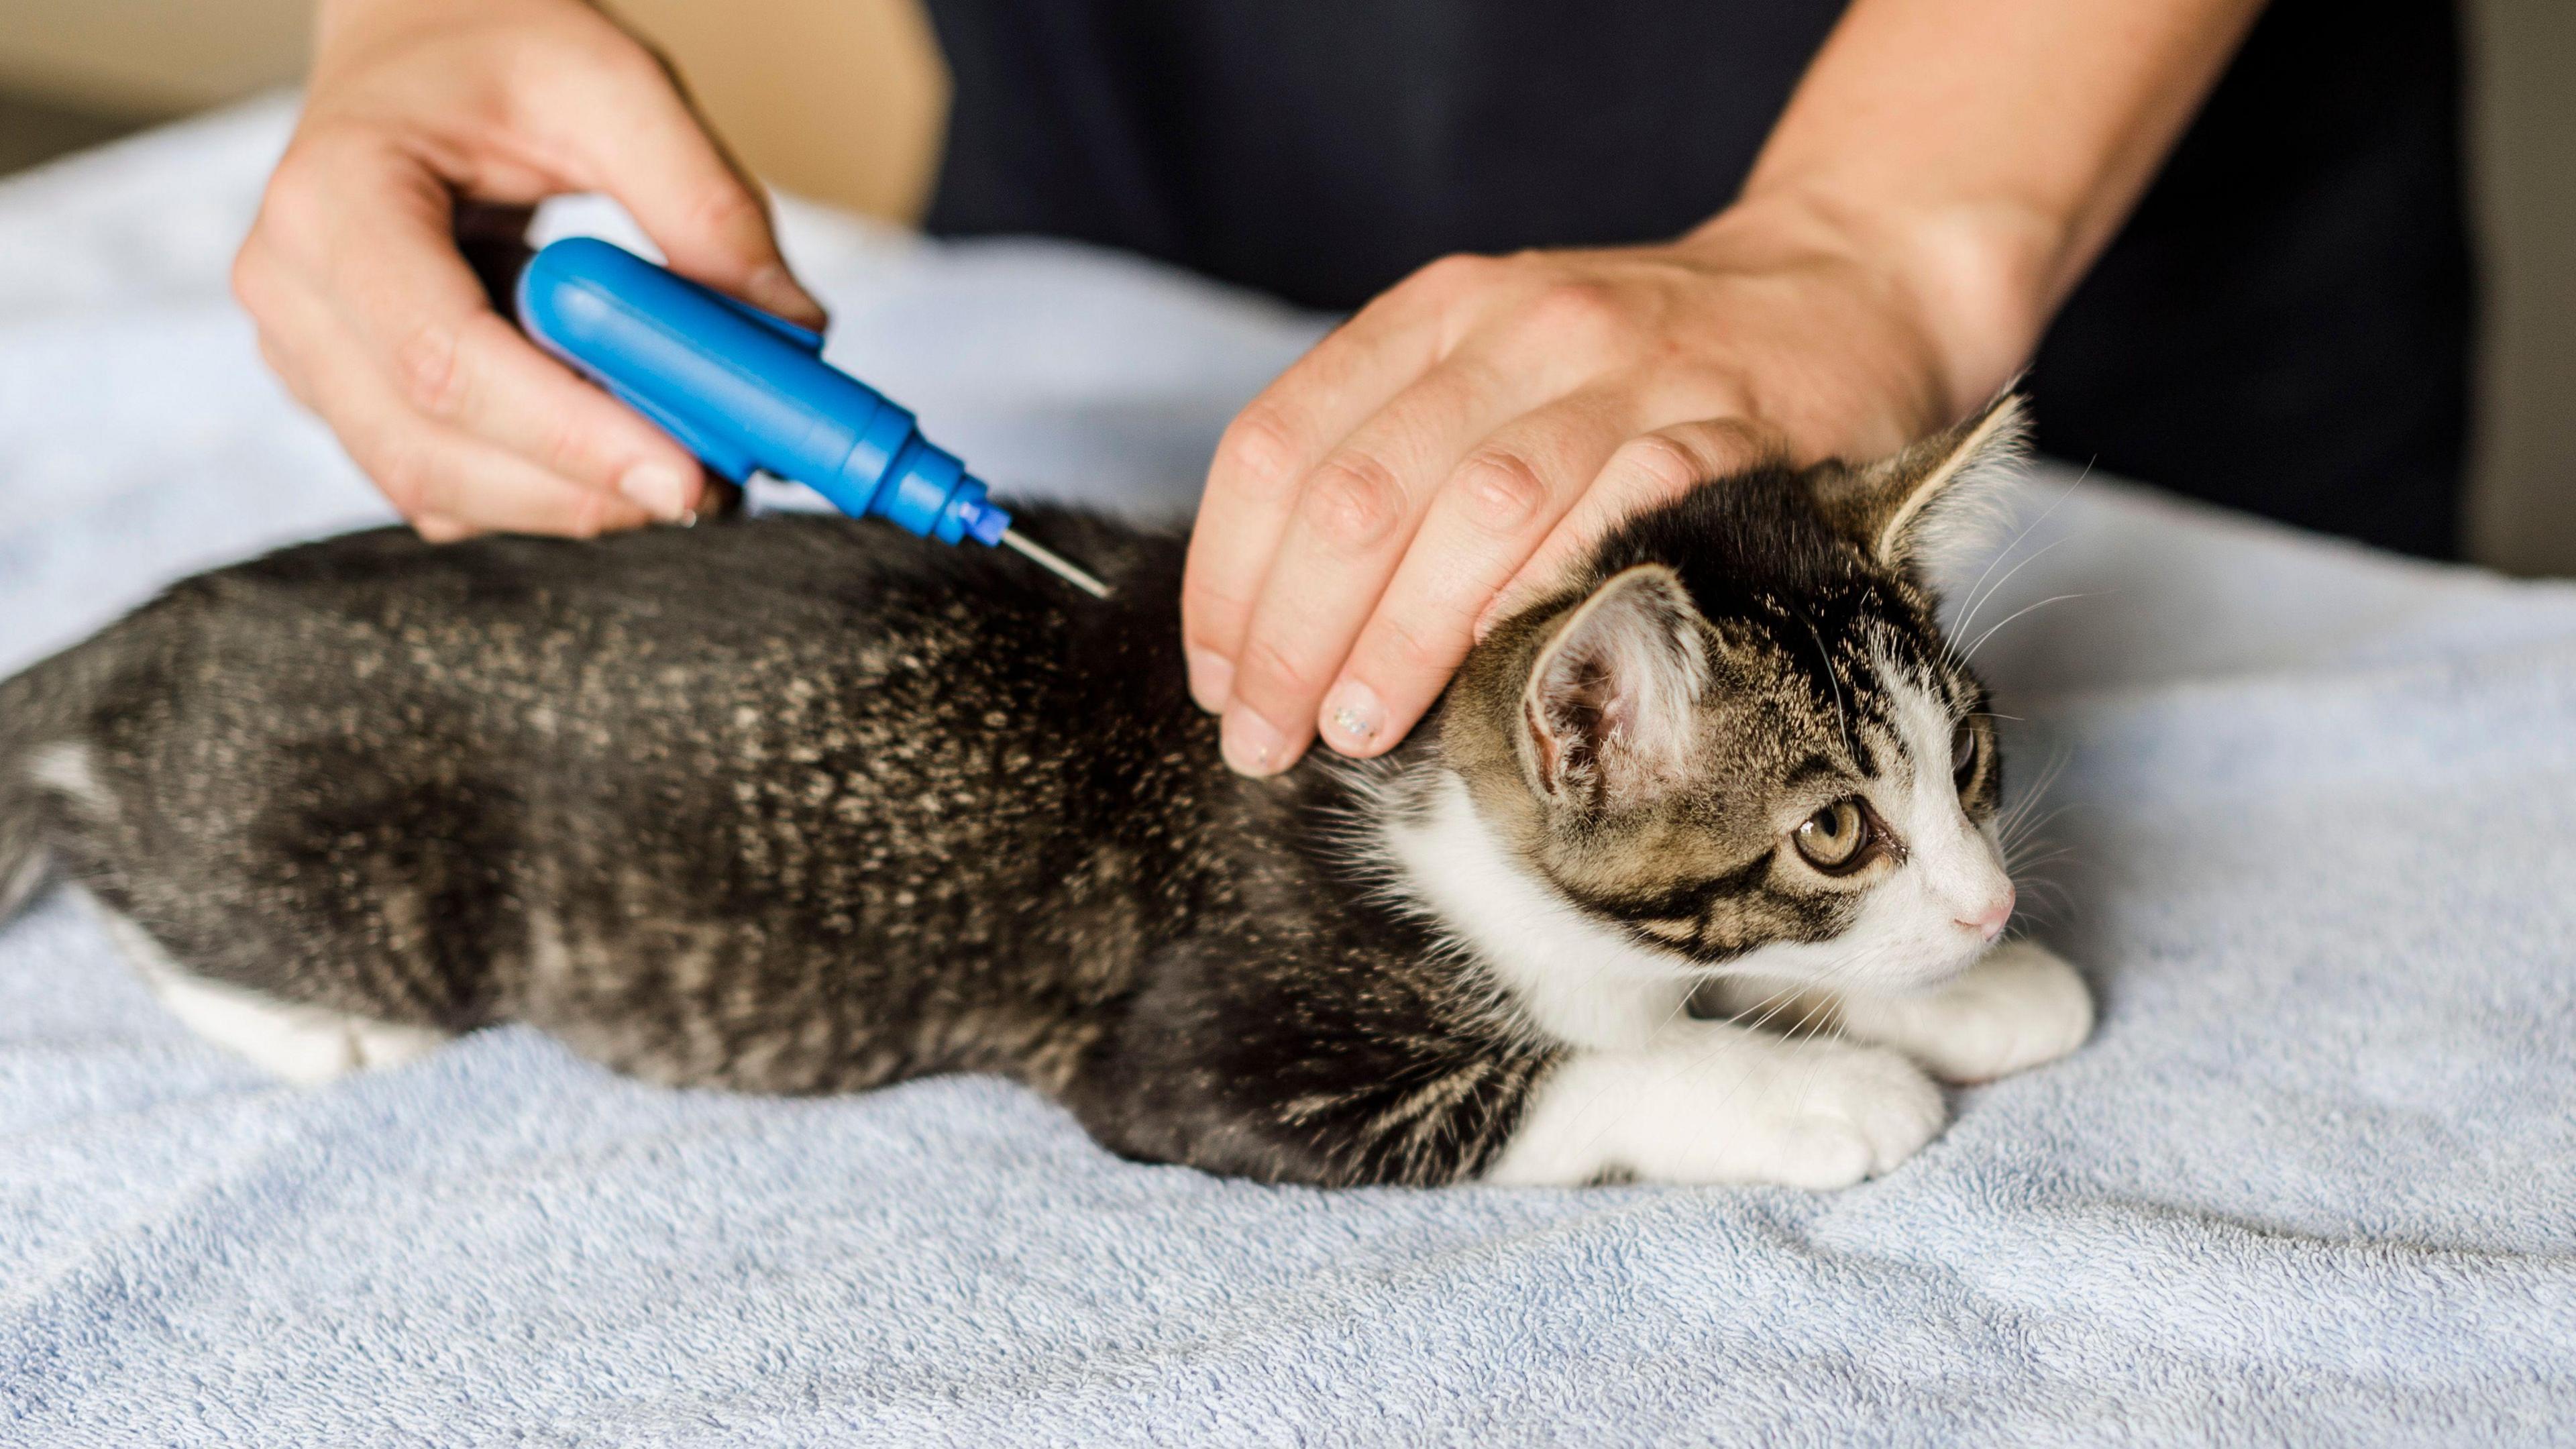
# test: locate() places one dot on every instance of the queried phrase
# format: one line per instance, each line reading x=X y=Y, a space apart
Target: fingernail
x=658 y=489
x=1253 y=746
x=1211 y=679
x=1353 y=717
x=774 y=288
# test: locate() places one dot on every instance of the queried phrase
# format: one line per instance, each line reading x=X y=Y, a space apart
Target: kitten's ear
x=1607 y=714
x=1926 y=500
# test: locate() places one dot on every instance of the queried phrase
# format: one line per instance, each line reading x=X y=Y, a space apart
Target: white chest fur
x=1573 y=978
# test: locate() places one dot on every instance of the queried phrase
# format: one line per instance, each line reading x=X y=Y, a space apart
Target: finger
x=1353 y=520
x=1482 y=526
x=451 y=485
x=1646 y=470
x=1278 y=439
x=404 y=291
x=446 y=482
x=666 y=167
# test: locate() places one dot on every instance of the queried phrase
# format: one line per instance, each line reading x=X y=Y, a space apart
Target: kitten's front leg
x=2018 y=1008
x=1712 y=1101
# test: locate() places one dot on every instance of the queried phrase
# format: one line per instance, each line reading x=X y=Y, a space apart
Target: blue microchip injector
x=750 y=392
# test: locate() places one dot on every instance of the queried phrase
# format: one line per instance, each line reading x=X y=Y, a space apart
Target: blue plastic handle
x=745 y=391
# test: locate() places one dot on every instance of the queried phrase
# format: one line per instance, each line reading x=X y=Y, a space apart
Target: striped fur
x=805 y=805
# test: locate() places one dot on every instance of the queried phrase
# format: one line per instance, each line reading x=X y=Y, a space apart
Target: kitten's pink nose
x=1989 y=923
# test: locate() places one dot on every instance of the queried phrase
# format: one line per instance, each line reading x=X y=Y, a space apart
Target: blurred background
x=843 y=100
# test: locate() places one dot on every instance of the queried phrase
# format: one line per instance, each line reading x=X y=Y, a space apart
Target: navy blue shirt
x=2284 y=325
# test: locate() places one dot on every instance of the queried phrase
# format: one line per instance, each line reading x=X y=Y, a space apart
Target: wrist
x=1972 y=283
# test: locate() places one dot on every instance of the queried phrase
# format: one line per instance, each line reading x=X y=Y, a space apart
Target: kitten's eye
x=1832 y=839
x=1963 y=753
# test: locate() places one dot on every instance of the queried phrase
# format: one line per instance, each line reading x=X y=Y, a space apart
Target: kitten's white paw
x=2019 y=1007
x=1717 y=1102
x=1836 y=1113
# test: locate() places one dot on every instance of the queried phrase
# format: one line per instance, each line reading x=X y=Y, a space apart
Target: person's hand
x=1483 y=422
x=372 y=318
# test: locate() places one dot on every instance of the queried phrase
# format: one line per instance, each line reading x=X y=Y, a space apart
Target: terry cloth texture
x=2314 y=1181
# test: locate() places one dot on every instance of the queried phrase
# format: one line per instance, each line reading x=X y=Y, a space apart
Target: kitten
x=808 y=805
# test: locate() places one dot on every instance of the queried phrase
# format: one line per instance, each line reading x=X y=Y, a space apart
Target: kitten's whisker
x=2024 y=832
x=2040 y=871
x=2026 y=872
x=2021 y=847
x=2050 y=898
x=1776 y=1003
x=1997 y=591
x=2028 y=834
x=1978 y=596
x=2026 y=799
x=2037 y=850
x=2017 y=613
x=2013 y=823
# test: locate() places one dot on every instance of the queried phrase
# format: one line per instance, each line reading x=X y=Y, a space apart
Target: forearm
x=1984 y=151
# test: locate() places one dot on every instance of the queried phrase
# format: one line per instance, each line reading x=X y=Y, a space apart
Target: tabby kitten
x=809 y=805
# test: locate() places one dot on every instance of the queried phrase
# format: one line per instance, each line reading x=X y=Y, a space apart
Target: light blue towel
x=2314 y=1181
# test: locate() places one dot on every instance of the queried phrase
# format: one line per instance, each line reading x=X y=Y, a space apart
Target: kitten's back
x=504 y=776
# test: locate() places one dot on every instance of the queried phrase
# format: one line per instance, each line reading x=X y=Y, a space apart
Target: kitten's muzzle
x=1989 y=920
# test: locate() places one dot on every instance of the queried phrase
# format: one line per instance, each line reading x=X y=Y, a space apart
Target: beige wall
x=838 y=99
x=2523 y=513
x=842 y=99
x=150 y=56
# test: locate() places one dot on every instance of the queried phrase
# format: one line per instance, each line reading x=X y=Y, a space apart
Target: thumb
x=710 y=219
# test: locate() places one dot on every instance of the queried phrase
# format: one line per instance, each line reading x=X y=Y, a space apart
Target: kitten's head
x=1739 y=736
